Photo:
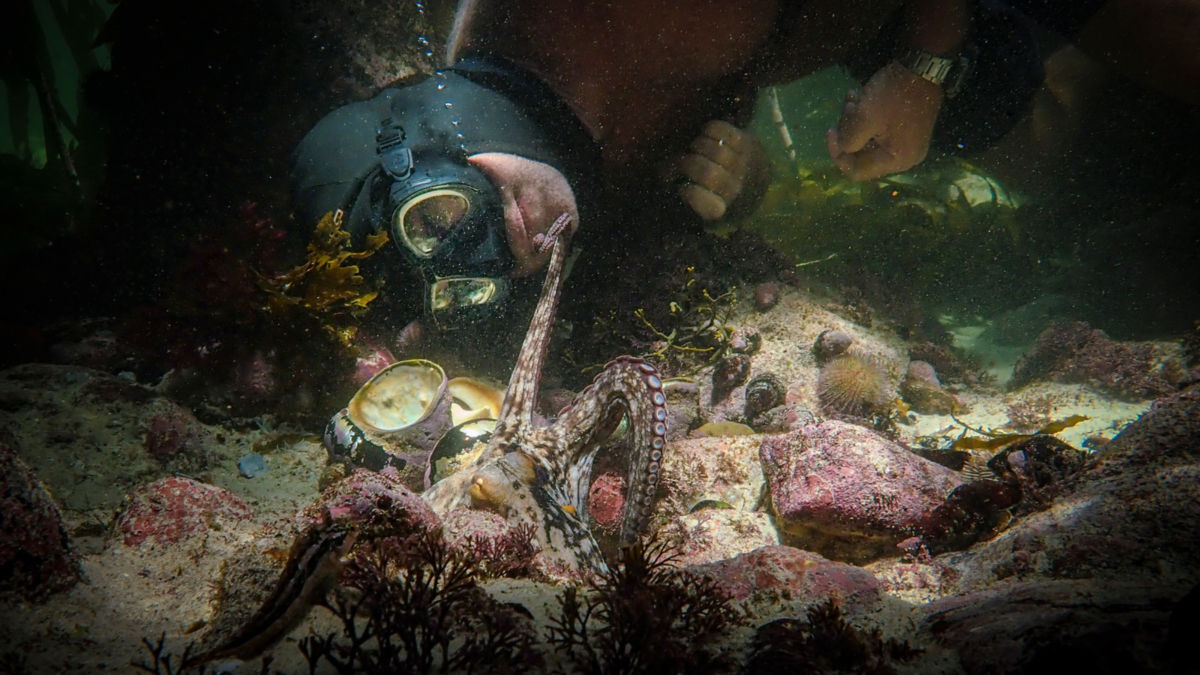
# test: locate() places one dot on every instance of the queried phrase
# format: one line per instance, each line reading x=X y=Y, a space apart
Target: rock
x=928 y=399
x=252 y=465
x=766 y=296
x=847 y=492
x=1076 y=353
x=35 y=553
x=1076 y=625
x=922 y=371
x=782 y=419
x=502 y=550
x=683 y=408
x=1167 y=432
x=463 y=525
x=807 y=577
x=175 y=438
x=831 y=343
x=606 y=501
x=728 y=373
x=710 y=535
x=1130 y=515
x=378 y=502
x=722 y=468
x=172 y=509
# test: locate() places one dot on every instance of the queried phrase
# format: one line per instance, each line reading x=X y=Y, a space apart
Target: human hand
x=887 y=128
x=722 y=162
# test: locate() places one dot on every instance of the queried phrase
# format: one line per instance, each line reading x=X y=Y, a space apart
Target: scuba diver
x=463 y=171
x=547 y=115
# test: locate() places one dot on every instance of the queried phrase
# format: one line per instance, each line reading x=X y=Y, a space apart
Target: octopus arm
x=594 y=417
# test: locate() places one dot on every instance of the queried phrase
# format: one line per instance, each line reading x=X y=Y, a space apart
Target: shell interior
x=399 y=396
x=472 y=400
x=460 y=447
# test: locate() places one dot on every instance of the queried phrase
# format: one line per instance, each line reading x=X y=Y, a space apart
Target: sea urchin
x=856 y=385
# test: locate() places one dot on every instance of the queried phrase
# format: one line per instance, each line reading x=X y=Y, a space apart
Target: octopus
x=535 y=475
x=540 y=475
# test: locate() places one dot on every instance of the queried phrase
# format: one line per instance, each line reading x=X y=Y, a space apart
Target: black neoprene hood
x=477 y=106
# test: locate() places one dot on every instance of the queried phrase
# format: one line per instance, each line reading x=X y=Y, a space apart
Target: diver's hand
x=723 y=162
x=887 y=128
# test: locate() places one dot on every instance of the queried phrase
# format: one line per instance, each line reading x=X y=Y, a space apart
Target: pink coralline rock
x=378 y=503
x=462 y=525
x=847 y=492
x=606 y=501
x=806 y=576
x=35 y=556
x=172 y=509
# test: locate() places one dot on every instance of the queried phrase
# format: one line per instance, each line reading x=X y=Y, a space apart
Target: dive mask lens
x=456 y=293
x=428 y=218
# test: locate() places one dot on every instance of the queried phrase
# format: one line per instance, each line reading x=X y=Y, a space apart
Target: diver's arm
x=936 y=26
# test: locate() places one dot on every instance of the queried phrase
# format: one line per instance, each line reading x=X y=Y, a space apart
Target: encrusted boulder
x=1131 y=513
x=796 y=575
x=606 y=501
x=172 y=509
x=1076 y=353
x=35 y=554
x=378 y=503
x=848 y=493
x=1036 y=627
x=710 y=535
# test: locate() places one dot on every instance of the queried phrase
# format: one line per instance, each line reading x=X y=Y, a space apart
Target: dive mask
x=398 y=163
x=447 y=221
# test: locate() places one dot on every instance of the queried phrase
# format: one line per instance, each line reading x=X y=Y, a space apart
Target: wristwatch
x=936 y=69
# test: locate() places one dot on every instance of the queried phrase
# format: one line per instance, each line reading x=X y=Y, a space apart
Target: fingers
x=720 y=154
x=871 y=162
x=706 y=204
x=717 y=166
x=727 y=134
x=857 y=124
x=712 y=176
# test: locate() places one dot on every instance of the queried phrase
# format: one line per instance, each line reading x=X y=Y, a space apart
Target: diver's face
x=534 y=196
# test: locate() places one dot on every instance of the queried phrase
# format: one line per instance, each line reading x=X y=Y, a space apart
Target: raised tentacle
x=521 y=396
x=636 y=384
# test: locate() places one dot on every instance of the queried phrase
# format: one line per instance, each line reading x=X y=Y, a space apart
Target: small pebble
x=766 y=296
x=252 y=465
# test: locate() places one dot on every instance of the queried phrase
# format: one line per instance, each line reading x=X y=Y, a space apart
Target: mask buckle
x=395 y=158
